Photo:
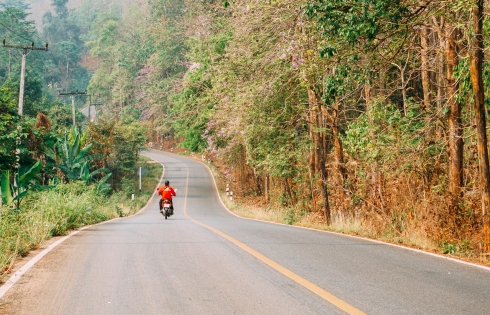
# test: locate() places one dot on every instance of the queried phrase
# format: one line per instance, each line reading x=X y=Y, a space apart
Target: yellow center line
x=329 y=297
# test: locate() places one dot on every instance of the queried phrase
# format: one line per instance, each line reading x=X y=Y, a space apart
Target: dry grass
x=406 y=214
x=63 y=208
x=253 y=211
x=409 y=220
x=414 y=238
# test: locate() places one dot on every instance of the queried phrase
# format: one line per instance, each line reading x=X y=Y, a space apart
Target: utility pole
x=90 y=104
x=73 y=93
x=95 y=105
x=25 y=49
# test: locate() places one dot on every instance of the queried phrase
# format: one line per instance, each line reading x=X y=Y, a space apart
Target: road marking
x=356 y=237
x=329 y=297
x=21 y=271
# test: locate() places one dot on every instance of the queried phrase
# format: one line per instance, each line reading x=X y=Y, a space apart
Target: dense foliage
x=54 y=175
x=370 y=113
x=361 y=111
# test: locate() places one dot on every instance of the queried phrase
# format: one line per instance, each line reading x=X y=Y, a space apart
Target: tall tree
x=476 y=73
x=455 y=141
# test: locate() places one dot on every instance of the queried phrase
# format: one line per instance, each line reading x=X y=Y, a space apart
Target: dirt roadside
x=10 y=303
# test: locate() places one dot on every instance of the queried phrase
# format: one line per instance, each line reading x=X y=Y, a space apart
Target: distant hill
x=39 y=7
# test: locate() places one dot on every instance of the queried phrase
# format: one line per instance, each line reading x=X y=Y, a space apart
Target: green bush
x=58 y=209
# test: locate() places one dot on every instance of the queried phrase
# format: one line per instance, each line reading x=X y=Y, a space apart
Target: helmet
x=167 y=183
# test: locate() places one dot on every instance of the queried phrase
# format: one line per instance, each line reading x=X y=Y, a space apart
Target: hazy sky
x=38 y=8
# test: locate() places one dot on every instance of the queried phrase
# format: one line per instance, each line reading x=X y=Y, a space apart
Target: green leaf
x=82 y=152
x=20 y=196
x=103 y=181
x=6 y=191
x=71 y=175
x=25 y=178
x=100 y=170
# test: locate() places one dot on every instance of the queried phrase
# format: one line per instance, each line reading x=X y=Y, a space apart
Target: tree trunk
x=258 y=186
x=313 y=133
x=424 y=58
x=287 y=187
x=324 y=178
x=368 y=94
x=267 y=185
x=319 y=137
x=476 y=73
x=440 y=77
x=404 y=90
x=382 y=81
x=313 y=158
x=455 y=141
x=320 y=145
x=338 y=147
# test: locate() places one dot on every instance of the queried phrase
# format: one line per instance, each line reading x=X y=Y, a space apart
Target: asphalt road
x=93 y=111
x=201 y=261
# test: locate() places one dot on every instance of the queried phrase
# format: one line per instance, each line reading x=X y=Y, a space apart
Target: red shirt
x=167 y=192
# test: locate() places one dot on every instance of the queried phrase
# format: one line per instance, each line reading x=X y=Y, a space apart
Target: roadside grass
x=253 y=211
x=411 y=237
x=346 y=226
x=65 y=207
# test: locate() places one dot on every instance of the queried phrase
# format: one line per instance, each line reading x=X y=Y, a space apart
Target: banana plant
x=102 y=184
x=82 y=170
x=69 y=152
x=73 y=160
x=7 y=197
x=16 y=191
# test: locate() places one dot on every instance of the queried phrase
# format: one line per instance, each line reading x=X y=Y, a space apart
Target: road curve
x=91 y=109
x=204 y=260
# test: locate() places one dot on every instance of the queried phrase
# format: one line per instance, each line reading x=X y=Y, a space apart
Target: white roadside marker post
x=139 y=171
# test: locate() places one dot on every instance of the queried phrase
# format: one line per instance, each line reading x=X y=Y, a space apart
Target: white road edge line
x=315 y=289
x=19 y=273
x=347 y=235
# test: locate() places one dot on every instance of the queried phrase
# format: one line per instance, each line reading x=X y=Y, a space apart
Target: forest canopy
x=371 y=113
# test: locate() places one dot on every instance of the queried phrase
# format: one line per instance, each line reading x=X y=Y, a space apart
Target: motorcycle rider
x=166 y=192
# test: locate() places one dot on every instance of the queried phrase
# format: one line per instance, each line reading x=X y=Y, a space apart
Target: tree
x=8 y=127
x=476 y=73
x=17 y=190
x=63 y=67
x=118 y=146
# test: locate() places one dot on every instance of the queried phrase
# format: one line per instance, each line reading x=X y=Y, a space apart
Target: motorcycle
x=167 y=208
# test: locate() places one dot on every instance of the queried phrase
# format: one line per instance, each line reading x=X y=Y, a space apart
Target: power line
x=73 y=93
x=31 y=32
x=64 y=76
x=22 y=75
x=15 y=33
x=34 y=32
